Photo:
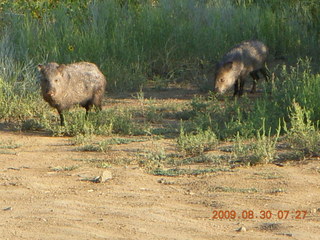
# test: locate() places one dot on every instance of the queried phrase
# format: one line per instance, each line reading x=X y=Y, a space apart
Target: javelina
x=246 y=58
x=80 y=83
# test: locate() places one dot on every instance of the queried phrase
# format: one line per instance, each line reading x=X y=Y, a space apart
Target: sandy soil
x=43 y=195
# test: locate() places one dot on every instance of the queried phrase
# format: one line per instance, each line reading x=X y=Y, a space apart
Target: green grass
x=303 y=136
x=159 y=43
x=61 y=169
x=162 y=43
x=234 y=190
x=196 y=143
x=9 y=145
x=178 y=171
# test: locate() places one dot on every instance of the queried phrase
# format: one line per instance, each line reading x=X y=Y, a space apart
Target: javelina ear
x=41 y=67
x=228 y=65
x=61 y=67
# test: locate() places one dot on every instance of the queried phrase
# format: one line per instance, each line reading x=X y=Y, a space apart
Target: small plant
x=103 y=165
x=31 y=125
x=231 y=189
x=122 y=123
x=262 y=150
x=102 y=146
x=153 y=115
x=9 y=145
x=303 y=136
x=178 y=171
x=153 y=159
x=60 y=169
x=80 y=139
x=196 y=143
x=100 y=123
x=160 y=83
x=76 y=124
x=240 y=150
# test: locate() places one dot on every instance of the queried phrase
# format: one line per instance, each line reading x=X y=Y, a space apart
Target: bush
x=262 y=150
x=303 y=136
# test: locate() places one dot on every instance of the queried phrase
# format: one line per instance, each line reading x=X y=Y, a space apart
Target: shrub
x=260 y=150
x=303 y=135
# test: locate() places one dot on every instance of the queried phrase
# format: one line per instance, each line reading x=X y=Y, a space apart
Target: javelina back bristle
x=248 y=57
x=64 y=86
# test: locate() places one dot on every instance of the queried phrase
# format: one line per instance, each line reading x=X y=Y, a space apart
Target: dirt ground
x=43 y=196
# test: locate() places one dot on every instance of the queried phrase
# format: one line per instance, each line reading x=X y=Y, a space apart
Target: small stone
x=91 y=179
x=164 y=181
x=105 y=176
x=161 y=180
x=14 y=168
x=56 y=169
x=286 y=234
x=7 y=209
x=189 y=192
x=242 y=229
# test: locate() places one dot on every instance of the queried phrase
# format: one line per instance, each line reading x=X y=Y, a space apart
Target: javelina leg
x=265 y=73
x=97 y=101
x=236 y=88
x=88 y=106
x=61 y=118
x=255 y=77
x=241 y=86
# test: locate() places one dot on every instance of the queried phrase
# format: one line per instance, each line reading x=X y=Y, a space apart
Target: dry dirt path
x=39 y=202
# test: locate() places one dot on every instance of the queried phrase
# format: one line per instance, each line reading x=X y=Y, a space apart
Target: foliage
x=134 y=41
x=303 y=136
x=261 y=150
x=229 y=118
x=196 y=143
x=160 y=42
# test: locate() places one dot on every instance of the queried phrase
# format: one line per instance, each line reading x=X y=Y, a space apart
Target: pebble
x=242 y=229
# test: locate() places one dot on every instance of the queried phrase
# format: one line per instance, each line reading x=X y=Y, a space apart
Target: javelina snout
x=80 y=83
x=248 y=57
x=225 y=78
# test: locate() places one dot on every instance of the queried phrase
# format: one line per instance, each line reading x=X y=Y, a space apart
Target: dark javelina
x=80 y=83
x=248 y=57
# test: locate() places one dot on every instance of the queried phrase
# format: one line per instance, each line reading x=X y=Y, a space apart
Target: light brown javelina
x=248 y=57
x=64 y=86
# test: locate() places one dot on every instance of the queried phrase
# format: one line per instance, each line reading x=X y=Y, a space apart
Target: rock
x=242 y=229
x=105 y=176
x=164 y=181
x=7 y=209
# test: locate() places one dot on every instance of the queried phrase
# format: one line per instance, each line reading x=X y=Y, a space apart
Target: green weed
x=261 y=150
x=234 y=190
x=153 y=159
x=9 y=145
x=101 y=146
x=178 y=171
x=60 y=169
x=196 y=143
x=303 y=135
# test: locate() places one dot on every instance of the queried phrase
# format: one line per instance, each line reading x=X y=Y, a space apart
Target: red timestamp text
x=262 y=214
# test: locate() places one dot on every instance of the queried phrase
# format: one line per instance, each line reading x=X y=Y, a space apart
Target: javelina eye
x=56 y=80
x=221 y=80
